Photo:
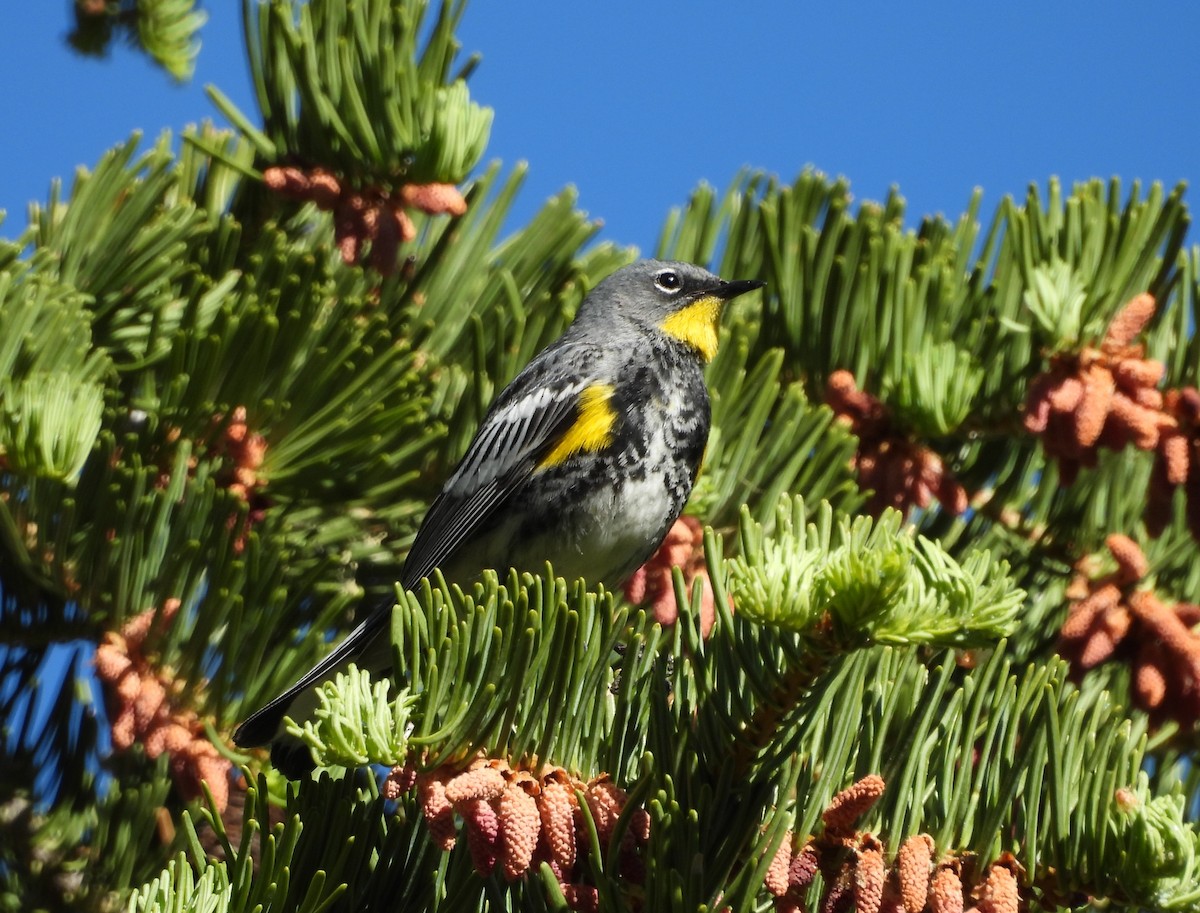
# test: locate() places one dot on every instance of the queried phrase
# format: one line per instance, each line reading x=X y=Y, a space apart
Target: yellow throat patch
x=592 y=430
x=696 y=325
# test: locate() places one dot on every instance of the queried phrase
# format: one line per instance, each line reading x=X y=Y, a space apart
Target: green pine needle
x=874 y=581
x=935 y=389
x=1157 y=853
x=356 y=723
x=49 y=424
x=167 y=29
x=1056 y=297
x=347 y=86
x=179 y=890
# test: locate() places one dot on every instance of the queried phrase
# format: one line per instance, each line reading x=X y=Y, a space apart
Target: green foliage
x=122 y=241
x=199 y=402
x=44 y=327
x=48 y=424
x=356 y=723
x=167 y=30
x=995 y=744
x=179 y=890
x=1177 y=341
x=304 y=863
x=586 y=667
x=872 y=581
x=935 y=389
x=1156 y=851
x=72 y=854
x=767 y=438
x=1055 y=755
x=344 y=85
x=50 y=396
x=458 y=652
x=1056 y=298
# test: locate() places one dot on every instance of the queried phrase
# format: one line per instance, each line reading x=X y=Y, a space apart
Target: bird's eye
x=668 y=280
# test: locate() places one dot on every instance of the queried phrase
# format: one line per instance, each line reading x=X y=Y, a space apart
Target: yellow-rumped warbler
x=584 y=460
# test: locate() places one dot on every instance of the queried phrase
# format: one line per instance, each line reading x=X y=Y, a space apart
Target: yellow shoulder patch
x=696 y=325
x=591 y=431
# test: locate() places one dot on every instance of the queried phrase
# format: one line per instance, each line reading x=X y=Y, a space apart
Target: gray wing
x=514 y=436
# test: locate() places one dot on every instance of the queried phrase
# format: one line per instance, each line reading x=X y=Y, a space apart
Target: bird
x=585 y=460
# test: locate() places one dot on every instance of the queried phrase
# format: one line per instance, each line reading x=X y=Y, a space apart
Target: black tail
x=262 y=727
x=292 y=758
x=289 y=755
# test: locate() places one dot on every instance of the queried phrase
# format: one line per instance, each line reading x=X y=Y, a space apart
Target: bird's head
x=680 y=299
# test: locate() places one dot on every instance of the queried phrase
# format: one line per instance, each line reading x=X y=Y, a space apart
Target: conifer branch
x=210 y=427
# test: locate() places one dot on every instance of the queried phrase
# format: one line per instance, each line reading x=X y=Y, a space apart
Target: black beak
x=729 y=290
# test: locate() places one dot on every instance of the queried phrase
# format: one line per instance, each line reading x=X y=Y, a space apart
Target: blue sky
x=636 y=102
